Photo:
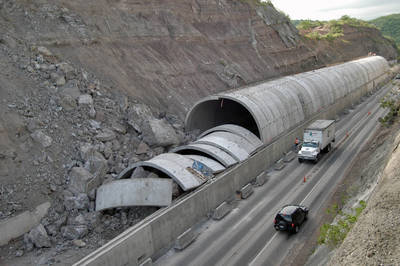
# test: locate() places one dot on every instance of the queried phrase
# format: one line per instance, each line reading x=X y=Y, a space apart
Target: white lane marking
x=262 y=251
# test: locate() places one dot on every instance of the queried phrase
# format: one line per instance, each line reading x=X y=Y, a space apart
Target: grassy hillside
x=328 y=30
x=390 y=26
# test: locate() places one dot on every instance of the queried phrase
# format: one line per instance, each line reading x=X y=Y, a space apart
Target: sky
x=334 y=9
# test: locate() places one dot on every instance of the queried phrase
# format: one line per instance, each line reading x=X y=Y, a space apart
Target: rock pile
x=85 y=133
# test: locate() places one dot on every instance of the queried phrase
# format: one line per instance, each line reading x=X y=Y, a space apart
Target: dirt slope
x=375 y=238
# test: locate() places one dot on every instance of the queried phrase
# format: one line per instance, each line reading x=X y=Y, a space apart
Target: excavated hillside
x=88 y=87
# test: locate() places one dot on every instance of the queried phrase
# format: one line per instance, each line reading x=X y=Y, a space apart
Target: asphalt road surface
x=246 y=235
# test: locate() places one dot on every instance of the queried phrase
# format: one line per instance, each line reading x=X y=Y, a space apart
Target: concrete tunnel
x=270 y=108
x=235 y=124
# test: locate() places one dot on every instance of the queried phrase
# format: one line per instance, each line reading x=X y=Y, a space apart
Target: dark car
x=397 y=76
x=290 y=217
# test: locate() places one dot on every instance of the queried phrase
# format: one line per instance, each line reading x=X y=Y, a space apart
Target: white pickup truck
x=317 y=137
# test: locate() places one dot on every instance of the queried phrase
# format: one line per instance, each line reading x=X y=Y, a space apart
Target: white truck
x=318 y=137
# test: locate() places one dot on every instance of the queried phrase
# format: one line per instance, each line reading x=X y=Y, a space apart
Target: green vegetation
x=333 y=235
x=391 y=102
x=334 y=27
x=390 y=26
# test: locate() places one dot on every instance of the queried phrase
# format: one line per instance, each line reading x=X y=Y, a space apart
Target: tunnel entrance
x=215 y=112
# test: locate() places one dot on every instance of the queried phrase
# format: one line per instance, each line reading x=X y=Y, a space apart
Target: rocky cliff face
x=82 y=83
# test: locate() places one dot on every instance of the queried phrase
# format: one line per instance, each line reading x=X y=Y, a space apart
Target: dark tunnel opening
x=213 y=113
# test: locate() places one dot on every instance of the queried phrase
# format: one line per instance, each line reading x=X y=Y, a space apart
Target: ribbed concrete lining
x=269 y=109
x=210 y=163
x=240 y=141
x=219 y=155
x=237 y=130
x=176 y=166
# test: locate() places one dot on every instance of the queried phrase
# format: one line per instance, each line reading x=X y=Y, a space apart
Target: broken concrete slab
x=16 y=226
x=134 y=192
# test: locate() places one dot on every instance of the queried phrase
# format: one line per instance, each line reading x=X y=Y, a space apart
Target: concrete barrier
x=221 y=211
x=17 y=226
x=148 y=262
x=185 y=239
x=289 y=156
x=246 y=191
x=261 y=179
x=279 y=165
x=150 y=237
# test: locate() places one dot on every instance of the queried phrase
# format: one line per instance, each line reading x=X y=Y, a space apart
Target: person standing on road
x=296 y=143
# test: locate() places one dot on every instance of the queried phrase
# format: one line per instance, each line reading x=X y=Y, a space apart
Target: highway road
x=246 y=235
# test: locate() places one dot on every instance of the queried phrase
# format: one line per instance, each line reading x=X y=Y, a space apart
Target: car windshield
x=310 y=144
x=285 y=217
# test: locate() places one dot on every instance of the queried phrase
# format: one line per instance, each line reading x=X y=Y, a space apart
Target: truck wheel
x=316 y=159
x=300 y=160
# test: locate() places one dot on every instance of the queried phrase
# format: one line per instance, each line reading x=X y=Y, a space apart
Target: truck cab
x=309 y=151
x=317 y=138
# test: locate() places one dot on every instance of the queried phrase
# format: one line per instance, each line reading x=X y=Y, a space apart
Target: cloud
x=321 y=10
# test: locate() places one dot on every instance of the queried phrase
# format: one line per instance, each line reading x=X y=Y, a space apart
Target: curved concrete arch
x=215 y=166
x=237 y=130
x=235 y=152
x=227 y=142
x=219 y=155
x=176 y=166
x=273 y=109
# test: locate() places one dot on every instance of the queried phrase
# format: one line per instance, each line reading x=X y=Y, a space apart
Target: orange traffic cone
x=304 y=179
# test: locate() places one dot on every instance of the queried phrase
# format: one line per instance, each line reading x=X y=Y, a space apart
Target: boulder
x=157 y=132
x=139 y=172
x=143 y=148
x=85 y=99
x=44 y=51
x=67 y=69
x=68 y=103
x=77 y=220
x=42 y=138
x=79 y=243
x=80 y=178
x=73 y=232
x=119 y=127
x=79 y=202
x=106 y=135
x=71 y=89
x=38 y=236
x=60 y=81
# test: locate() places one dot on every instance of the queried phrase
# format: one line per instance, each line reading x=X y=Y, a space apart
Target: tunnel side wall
x=158 y=232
